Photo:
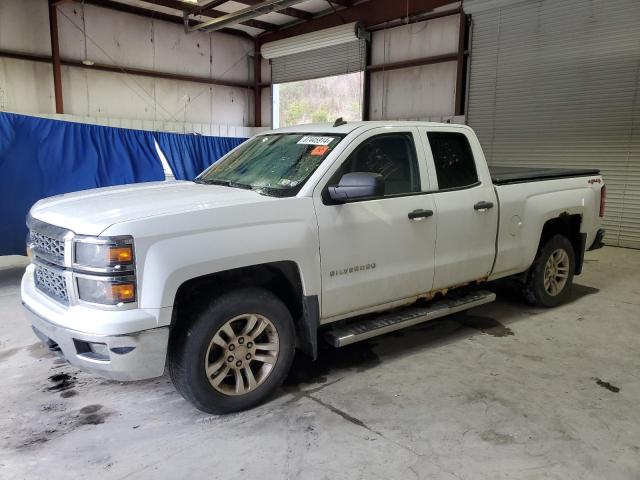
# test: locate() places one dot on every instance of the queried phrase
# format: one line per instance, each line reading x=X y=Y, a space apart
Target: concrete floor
x=505 y=391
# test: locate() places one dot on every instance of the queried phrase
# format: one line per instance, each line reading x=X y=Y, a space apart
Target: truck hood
x=90 y=212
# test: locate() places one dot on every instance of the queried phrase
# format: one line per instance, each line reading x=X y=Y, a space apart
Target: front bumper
x=120 y=345
x=135 y=356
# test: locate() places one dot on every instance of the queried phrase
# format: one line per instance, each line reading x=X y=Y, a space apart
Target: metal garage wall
x=556 y=83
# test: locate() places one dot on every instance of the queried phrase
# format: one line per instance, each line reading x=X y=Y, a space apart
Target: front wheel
x=235 y=353
x=551 y=275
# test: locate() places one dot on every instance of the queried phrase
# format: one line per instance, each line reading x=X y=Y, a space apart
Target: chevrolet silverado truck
x=330 y=232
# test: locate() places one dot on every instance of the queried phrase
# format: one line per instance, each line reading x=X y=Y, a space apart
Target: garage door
x=556 y=83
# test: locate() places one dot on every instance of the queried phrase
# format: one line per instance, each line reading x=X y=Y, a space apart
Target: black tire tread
x=533 y=289
x=179 y=355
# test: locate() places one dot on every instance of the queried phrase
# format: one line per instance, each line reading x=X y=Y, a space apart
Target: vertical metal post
x=366 y=87
x=462 y=35
x=55 y=57
x=257 y=89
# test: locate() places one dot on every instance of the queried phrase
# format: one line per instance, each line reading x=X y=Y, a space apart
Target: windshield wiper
x=224 y=183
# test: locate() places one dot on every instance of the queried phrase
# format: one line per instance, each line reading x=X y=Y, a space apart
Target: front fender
x=171 y=250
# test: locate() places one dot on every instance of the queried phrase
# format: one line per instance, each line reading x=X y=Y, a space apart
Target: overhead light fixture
x=190 y=1
x=88 y=62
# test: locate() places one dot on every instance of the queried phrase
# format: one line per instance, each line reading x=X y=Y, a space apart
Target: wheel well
x=568 y=226
x=280 y=278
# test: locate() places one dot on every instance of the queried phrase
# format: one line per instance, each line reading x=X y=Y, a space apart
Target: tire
x=538 y=289
x=205 y=342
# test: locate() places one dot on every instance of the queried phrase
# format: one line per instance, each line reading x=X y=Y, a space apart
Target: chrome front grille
x=52 y=282
x=47 y=247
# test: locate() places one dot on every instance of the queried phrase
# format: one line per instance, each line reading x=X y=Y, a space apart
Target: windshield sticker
x=319 y=150
x=311 y=140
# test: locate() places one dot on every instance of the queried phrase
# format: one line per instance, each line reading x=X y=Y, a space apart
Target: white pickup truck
x=337 y=232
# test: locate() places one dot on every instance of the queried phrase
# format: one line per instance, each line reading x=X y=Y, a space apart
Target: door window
x=392 y=155
x=455 y=166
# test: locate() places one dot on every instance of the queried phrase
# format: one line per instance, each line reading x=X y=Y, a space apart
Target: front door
x=371 y=252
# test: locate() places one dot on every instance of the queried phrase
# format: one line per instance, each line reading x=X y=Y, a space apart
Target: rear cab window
x=453 y=159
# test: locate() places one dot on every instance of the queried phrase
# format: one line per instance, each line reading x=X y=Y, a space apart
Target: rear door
x=467 y=207
x=372 y=253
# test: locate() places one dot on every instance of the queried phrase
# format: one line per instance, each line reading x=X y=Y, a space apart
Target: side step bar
x=388 y=322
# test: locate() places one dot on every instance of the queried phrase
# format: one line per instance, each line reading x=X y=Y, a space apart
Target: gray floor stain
x=486 y=325
x=607 y=385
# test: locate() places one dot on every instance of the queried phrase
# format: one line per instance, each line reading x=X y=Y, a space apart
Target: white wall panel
x=415 y=40
x=18 y=19
x=266 y=107
x=25 y=86
x=414 y=93
x=130 y=41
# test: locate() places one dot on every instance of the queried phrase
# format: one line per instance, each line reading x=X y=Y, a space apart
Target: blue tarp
x=41 y=157
x=188 y=155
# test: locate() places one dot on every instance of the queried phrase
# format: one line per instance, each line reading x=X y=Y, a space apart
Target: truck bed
x=507 y=175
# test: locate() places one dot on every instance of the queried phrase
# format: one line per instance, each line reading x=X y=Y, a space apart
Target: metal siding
x=556 y=84
x=323 y=62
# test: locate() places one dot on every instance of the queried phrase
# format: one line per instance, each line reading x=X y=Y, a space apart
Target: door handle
x=483 y=205
x=420 y=213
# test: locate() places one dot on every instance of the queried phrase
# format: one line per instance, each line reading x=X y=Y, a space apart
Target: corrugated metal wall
x=556 y=83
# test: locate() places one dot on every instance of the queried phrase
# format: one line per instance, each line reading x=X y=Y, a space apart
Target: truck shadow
x=493 y=319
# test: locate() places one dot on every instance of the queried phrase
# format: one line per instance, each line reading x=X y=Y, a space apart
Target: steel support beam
x=245 y=15
x=257 y=89
x=421 y=17
x=460 y=69
x=416 y=62
x=289 y=11
x=189 y=9
x=55 y=57
x=366 y=84
x=147 y=13
x=130 y=71
x=368 y=13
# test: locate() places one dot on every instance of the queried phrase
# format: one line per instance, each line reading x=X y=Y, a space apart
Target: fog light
x=99 y=349
x=92 y=350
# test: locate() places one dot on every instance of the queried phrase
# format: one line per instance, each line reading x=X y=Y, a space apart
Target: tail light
x=603 y=200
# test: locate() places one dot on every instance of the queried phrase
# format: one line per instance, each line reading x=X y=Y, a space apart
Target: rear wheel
x=551 y=275
x=235 y=353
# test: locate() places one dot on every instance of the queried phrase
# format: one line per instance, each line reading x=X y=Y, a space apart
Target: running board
x=388 y=322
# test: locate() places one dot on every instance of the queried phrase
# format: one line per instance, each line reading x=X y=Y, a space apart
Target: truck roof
x=348 y=127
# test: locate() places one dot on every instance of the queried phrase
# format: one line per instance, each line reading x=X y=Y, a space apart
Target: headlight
x=105 y=254
x=106 y=292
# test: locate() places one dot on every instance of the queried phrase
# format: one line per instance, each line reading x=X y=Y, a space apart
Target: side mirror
x=357 y=185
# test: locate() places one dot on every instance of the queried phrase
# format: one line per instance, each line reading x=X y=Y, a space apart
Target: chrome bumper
x=133 y=356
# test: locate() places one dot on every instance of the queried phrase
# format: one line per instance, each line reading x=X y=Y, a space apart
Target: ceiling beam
x=244 y=15
x=289 y=11
x=145 y=12
x=342 y=3
x=211 y=4
x=211 y=13
x=368 y=13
